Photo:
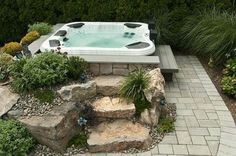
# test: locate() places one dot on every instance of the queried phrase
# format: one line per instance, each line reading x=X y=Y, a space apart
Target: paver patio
x=204 y=124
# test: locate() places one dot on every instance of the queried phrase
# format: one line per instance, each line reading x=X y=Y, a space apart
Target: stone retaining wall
x=114 y=69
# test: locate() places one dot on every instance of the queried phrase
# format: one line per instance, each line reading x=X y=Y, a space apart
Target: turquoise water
x=102 y=39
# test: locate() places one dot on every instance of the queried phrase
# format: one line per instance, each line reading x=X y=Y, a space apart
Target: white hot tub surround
x=142 y=45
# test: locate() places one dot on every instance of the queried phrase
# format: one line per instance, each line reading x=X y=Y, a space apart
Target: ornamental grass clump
x=30 y=37
x=133 y=89
x=14 y=138
x=11 y=48
x=211 y=34
x=41 y=27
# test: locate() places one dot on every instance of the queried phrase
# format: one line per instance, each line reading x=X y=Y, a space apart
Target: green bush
x=14 y=138
x=133 y=89
x=76 y=67
x=5 y=61
x=44 y=70
x=44 y=96
x=79 y=140
x=228 y=82
x=41 y=27
x=166 y=125
x=211 y=34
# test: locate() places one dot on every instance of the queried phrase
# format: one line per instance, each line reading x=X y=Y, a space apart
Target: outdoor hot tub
x=101 y=38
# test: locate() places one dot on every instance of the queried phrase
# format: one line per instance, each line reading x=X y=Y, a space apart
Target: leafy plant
x=211 y=34
x=79 y=140
x=14 y=138
x=44 y=96
x=30 y=37
x=5 y=61
x=166 y=125
x=76 y=67
x=11 y=48
x=133 y=89
x=228 y=82
x=41 y=27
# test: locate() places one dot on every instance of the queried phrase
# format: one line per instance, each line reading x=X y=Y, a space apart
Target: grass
x=44 y=96
x=166 y=125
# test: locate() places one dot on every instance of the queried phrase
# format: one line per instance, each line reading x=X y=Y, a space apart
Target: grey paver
x=198 y=150
x=183 y=137
x=198 y=140
x=180 y=149
x=165 y=149
x=200 y=114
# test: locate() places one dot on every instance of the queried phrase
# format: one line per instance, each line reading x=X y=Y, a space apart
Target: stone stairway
x=120 y=133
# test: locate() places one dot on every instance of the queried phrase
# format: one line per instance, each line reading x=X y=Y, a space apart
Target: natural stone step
x=113 y=108
x=118 y=135
x=108 y=85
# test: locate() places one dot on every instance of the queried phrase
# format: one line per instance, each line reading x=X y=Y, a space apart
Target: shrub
x=79 y=140
x=5 y=60
x=76 y=67
x=30 y=37
x=11 y=48
x=228 y=82
x=44 y=70
x=211 y=34
x=133 y=89
x=14 y=138
x=44 y=96
x=166 y=125
x=42 y=28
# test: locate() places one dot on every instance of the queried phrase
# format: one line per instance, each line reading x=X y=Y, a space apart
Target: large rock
x=56 y=128
x=108 y=85
x=118 y=135
x=7 y=100
x=154 y=94
x=78 y=92
x=113 y=108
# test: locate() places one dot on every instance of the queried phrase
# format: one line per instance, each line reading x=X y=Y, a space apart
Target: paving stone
x=165 y=149
x=184 y=112
x=229 y=151
x=148 y=153
x=198 y=140
x=113 y=154
x=212 y=138
x=214 y=131
x=180 y=149
x=198 y=150
x=200 y=114
x=180 y=123
x=191 y=121
x=212 y=116
x=213 y=146
x=186 y=100
x=155 y=150
x=183 y=137
x=198 y=131
x=228 y=139
x=208 y=123
x=168 y=139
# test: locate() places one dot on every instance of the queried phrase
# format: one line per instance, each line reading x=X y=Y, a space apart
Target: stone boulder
x=118 y=135
x=7 y=99
x=107 y=107
x=154 y=93
x=78 y=92
x=56 y=128
x=108 y=85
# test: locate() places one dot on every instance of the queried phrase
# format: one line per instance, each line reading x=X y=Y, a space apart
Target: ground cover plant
x=30 y=37
x=14 y=138
x=228 y=82
x=133 y=89
x=11 y=48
